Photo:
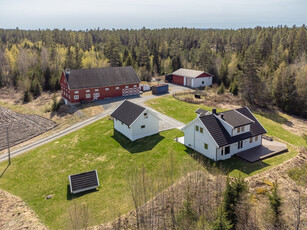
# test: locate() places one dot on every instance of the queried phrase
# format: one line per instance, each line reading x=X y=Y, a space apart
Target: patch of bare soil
x=296 y=125
x=21 y=127
x=15 y=214
x=289 y=190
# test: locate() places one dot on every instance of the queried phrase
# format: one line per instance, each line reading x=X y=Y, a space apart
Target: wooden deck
x=267 y=149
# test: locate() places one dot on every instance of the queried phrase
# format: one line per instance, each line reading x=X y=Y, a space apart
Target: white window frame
x=96 y=90
x=117 y=88
x=88 y=95
x=126 y=87
x=107 y=89
x=87 y=91
x=135 y=86
x=76 y=97
x=76 y=92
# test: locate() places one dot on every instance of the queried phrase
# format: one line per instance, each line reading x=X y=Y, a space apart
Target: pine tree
x=78 y=58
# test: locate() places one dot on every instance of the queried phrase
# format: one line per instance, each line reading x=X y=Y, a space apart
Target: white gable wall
x=196 y=140
x=197 y=82
x=151 y=125
x=246 y=129
x=227 y=126
x=122 y=128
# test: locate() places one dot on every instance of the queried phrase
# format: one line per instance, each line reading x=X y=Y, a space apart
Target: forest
x=264 y=66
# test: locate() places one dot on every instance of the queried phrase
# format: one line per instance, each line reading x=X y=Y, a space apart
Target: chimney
x=67 y=72
x=213 y=111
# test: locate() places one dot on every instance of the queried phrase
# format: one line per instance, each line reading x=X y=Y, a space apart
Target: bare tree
x=79 y=216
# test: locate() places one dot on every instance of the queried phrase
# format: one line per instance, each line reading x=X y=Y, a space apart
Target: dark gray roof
x=201 y=111
x=127 y=112
x=83 y=181
x=235 y=119
x=256 y=127
x=222 y=137
x=102 y=77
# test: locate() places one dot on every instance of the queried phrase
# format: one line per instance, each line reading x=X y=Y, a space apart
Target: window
x=242 y=129
x=145 y=115
x=135 y=86
x=240 y=144
x=76 y=92
x=76 y=97
x=88 y=91
x=256 y=138
x=117 y=88
x=250 y=140
x=143 y=127
x=206 y=146
x=227 y=150
x=88 y=95
x=201 y=129
x=126 y=86
x=96 y=90
x=196 y=128
x=238 y=130
x=222 y=151
x=107 y=89
x=202 y=82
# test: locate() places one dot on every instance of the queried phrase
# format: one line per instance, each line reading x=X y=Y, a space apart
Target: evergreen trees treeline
x=264 y=66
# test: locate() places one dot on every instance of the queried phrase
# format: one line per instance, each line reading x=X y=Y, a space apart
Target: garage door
x=189 y=82
x=131 y=91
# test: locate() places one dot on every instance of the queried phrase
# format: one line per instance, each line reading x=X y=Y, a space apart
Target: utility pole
x=8 y=144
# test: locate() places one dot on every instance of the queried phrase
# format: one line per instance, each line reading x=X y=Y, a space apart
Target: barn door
x=130 y=91
x=96 y=96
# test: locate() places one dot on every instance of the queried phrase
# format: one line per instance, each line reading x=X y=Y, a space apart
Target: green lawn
x=45 y=170
x=185 y=112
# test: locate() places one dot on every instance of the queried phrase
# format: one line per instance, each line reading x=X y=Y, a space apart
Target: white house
x=190 y=78
x=218 y=136
x=135 y=121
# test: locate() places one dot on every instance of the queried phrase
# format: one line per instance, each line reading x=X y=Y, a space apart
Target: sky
x=135 y=14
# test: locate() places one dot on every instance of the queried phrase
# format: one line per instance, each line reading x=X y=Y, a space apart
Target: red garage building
x=190 y=78
x=95 y=84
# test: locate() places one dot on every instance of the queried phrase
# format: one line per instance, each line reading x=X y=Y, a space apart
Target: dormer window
x=238 y=130
x=242 y=129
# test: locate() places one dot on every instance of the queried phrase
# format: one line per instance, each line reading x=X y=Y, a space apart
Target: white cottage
x=218 y=136
x=135 y=121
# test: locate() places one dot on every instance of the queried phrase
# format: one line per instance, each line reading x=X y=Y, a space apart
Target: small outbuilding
x=190 y=78
x=83 y=181
x=135 y=121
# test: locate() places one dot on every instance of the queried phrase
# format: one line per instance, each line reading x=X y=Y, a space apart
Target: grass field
x=34 y=175
x=43 y=171
x=174 y=108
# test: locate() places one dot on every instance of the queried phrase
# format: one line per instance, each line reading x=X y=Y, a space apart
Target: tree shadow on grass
x=138 y=146
x=274 y=116
x=226 y=166
x=70 y=196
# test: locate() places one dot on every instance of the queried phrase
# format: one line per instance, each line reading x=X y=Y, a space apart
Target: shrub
x=221 y=89
x=27 y=96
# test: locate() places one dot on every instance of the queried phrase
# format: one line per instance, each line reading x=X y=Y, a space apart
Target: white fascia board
x=255 y=118
x=209 y=133
x=244 y=116
x=190 y=123
x=223 y=120
x=138 y=117
x=152 y=112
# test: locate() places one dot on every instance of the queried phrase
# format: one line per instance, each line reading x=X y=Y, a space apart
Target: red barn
x=99 y=83
x=190 y=78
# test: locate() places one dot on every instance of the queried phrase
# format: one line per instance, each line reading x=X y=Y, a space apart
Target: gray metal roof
x=235 y=119
x=127 y=112
x=189 y=73
x=102 y=77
